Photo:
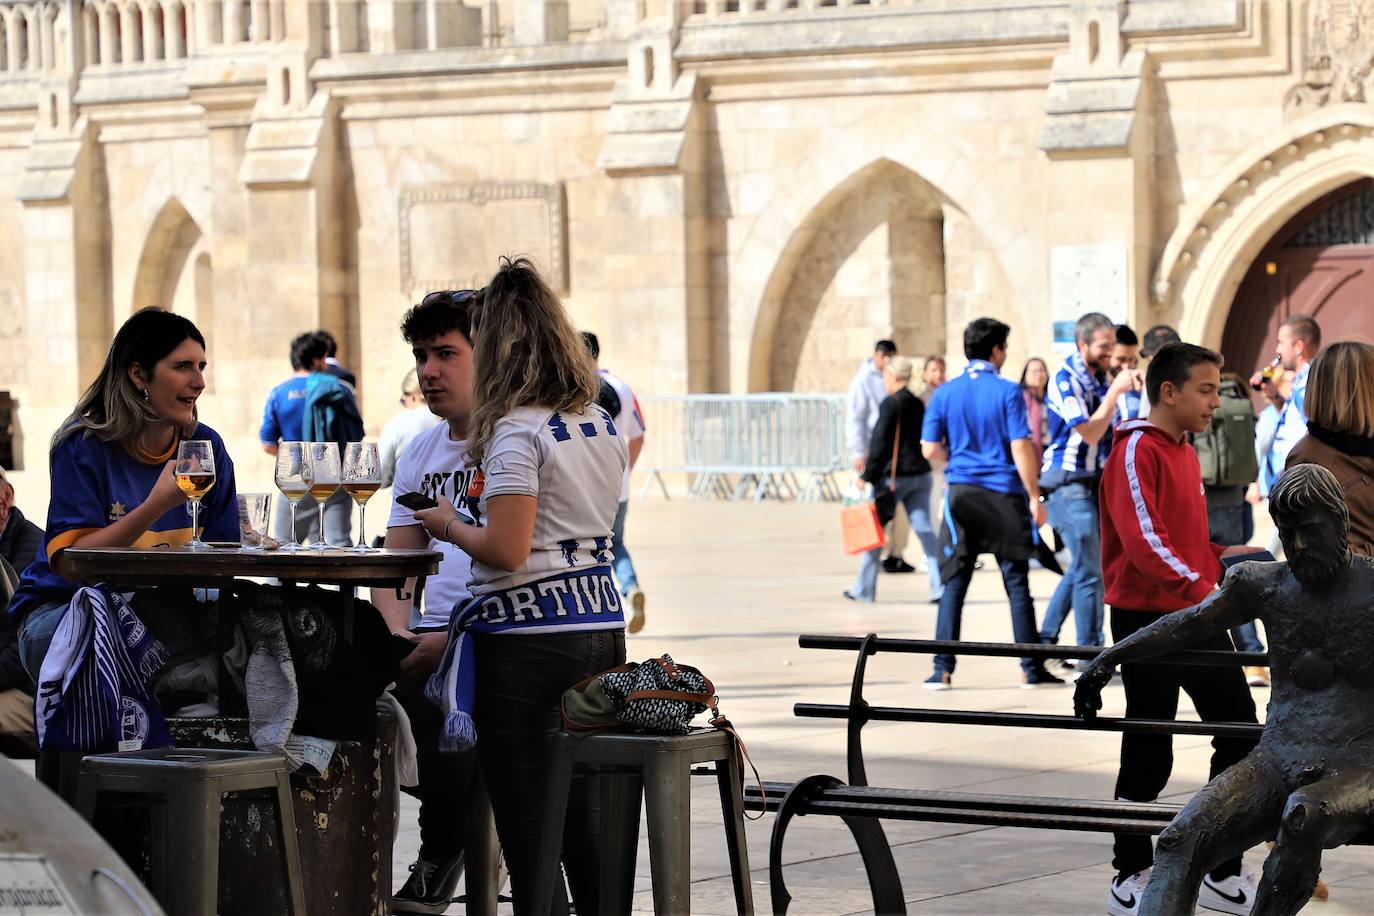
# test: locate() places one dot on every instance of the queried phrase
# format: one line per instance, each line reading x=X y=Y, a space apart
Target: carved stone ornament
x=452 y=235
x=1338 y=56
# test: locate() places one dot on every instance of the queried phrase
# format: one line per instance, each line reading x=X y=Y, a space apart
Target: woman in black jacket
x=898 y=434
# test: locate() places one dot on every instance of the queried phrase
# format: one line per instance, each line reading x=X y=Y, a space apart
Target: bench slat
x=1030 y=720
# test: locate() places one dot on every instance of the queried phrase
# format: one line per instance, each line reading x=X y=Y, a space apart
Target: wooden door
x=1297 y=274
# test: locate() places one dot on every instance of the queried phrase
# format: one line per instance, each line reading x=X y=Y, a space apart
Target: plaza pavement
x=730 y=587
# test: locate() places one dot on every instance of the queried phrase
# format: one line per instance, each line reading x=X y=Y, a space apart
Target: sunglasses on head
x=458 y=296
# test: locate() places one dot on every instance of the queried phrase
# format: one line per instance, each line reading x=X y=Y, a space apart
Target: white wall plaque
x=29 y=888
x=1086 y=278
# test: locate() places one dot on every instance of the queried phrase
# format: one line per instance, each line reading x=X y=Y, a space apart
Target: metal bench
x=862 y=807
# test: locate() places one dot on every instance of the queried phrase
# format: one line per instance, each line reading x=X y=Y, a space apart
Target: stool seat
x=193 y=782
x=660 y=767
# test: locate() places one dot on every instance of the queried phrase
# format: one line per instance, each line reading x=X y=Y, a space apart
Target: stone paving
x=730 y=587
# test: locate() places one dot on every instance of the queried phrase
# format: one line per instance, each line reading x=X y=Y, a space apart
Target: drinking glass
x=195 y=473
x=362 y=476
x=293 y=477
x=255 y=510
x=324 y=461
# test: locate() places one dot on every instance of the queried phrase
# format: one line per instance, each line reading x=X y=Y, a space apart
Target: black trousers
x=1219 y=695
x=520 y=683
x=450 y=785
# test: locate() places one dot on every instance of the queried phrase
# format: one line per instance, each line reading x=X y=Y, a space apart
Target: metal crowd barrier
x=787 y=446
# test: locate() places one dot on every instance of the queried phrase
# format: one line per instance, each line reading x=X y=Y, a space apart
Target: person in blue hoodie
x=311 y=406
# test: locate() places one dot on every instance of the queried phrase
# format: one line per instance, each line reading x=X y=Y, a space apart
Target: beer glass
x=195 y=474
x=362 y=476
x=293 y=478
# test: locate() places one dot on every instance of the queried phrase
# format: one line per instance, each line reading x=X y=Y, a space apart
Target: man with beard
x=1157 y=560
x=1309 y=780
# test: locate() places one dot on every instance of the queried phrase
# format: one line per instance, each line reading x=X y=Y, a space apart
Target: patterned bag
x=658 y=696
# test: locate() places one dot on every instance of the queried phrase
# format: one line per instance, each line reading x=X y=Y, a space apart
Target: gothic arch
x=166 y=249
x=1221 y=233
x=762 y=263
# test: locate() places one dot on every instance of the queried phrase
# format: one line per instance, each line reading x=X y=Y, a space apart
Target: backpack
x=607 y=399
x=1226 y=451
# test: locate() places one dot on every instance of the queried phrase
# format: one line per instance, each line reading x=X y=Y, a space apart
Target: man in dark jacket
x=897 y=434
x=20 y=540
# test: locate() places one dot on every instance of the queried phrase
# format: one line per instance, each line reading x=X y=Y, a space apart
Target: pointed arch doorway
x=1321 y=263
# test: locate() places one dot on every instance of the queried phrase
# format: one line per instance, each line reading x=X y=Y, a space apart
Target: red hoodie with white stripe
x=1156 y=555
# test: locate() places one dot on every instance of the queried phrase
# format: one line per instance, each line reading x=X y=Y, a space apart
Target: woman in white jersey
x=545 y=613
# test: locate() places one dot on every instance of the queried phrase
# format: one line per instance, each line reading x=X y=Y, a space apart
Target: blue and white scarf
x=583 y=600
x=95 y=684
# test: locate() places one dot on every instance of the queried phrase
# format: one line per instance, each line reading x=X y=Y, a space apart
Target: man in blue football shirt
x=976 y=423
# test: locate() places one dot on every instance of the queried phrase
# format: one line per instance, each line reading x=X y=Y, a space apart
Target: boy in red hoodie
x=1156 y=559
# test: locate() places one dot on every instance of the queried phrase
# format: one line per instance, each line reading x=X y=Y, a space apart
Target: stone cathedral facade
x=737 y=195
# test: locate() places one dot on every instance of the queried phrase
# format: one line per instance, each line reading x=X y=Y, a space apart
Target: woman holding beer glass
x=114 y=468
x=545 y=612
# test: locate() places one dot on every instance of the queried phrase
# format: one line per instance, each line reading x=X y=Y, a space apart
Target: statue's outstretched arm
x=1229 y=607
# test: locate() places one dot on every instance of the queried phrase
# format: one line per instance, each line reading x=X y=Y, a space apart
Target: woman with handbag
x=899 y=473
x=545 y=613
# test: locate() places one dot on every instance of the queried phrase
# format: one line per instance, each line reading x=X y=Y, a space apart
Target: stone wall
x=735 y=197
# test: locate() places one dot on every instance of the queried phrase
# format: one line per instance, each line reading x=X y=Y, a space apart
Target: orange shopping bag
x=859 y=527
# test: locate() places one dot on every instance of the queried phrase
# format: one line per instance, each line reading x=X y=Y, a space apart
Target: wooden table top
x=177 y=564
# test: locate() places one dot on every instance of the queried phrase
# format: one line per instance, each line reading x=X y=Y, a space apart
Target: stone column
x=1098 y=135
x=67 y=292
x=541 y=22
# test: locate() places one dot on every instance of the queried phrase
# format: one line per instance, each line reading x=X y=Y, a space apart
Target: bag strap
x=703 y=699
x=896 y=441
x=741 y=755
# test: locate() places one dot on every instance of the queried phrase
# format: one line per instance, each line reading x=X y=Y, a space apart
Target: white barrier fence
x=787 y=446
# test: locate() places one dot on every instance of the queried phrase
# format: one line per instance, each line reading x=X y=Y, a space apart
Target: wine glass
x=324 y=461
x=362 y=476
x=293 y=477
x=195 y=473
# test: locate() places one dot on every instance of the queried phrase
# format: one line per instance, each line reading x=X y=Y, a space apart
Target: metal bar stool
x=193 y=781
x=664 y=764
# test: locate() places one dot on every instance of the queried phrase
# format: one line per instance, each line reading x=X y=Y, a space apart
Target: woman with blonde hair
x=545 y=612
x=1340 y=431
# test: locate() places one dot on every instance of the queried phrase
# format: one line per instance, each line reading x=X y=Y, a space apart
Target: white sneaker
x=1124 y=898
x=1230 y=895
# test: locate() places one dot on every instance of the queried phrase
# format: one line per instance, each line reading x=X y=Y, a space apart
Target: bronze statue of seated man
x=1309 y=783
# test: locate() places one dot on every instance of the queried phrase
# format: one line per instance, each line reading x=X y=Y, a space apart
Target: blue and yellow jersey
x=95 y=483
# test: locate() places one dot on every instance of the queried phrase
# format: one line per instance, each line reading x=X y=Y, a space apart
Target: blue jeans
x=1073 y=512
x=914 y=494
x=1247 y=638
x=35 y=634
x=621 y=563
x=1016 y=580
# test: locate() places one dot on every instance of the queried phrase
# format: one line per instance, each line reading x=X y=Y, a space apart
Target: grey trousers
x=338 y=519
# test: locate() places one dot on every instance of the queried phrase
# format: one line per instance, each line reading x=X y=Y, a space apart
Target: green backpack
x=1226 y=450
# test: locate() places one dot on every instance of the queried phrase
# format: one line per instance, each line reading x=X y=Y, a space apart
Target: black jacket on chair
x=908 y=409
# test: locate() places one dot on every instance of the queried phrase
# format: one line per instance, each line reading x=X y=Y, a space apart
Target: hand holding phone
x=416 y=502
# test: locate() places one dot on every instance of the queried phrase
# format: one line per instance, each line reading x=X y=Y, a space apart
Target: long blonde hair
x=113 y=409
x=525 y=353
x=1340 y=389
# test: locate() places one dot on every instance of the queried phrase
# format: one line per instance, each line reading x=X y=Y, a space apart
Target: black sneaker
x=897 y=565
x=1039 y=677
x=429 y=889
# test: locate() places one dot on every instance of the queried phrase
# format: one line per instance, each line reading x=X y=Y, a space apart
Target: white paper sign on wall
x=1085 y=278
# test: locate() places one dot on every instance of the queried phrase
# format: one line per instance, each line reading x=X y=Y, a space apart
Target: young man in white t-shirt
x=629 y=420
x=453 y=805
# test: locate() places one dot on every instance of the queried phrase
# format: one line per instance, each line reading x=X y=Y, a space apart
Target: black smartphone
x=415 y=502
x=1262 y=556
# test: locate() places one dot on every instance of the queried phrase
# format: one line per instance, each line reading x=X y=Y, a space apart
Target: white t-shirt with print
x=573 y=464
x=435 y=465
x=629 y=422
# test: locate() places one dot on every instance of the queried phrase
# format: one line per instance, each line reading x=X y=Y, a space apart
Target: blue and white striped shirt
x=1070 y=401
